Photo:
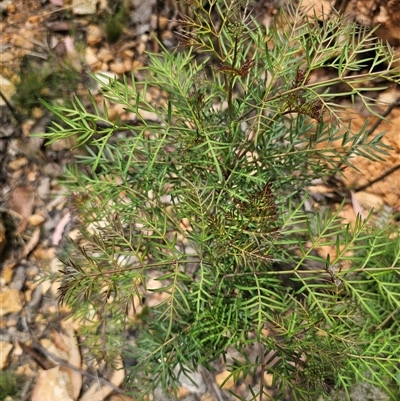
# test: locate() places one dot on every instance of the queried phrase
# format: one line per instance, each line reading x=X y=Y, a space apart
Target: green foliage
x=205 y=193
x=44 y=80
x=115 y=22
x=10 y=384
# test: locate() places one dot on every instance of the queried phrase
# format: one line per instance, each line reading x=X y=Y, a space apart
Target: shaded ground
x=46 y=50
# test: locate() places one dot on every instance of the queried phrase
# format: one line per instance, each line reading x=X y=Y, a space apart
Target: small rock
x=137 y=65
x=388 y=97
x=127 y=65
x=115 y=111
x=159 y=22
x=25 y=370
x=43 y=189
x=36 y=219
x=117 y=68
x=7 y=273
x=7 y=88
x=268 y=379
x=105 y=55
x=149 y=115
x=11 y=8
x=18 y=163
x=128 y=53
x=369 y=201
x=168 y=38
x=207 y=397
x=91 y=58
x=84 y=7
x=141 y=48
x=52 y=384
x=163 y=22
x=10 y=301
x=63 y=144
x=18 y=279
x=52 y=170
x=28 y=295
x=182 y=392
x=33 y=21
x=222 y=380
x=321 y=8
x=37 y=112
x=32 y=176
x=22 y=40
x=94 y=35
x=5 y=349
x=6 y=57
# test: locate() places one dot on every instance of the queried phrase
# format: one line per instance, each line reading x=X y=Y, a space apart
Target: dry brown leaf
x=31 y=244
x=22 y=201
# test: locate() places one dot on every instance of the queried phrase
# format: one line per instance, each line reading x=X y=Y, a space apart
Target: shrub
x=205 y=191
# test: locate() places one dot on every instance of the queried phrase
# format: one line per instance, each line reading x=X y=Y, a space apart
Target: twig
x=383 y=324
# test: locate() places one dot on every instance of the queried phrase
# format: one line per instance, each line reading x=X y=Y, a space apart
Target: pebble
x=84 y=7
x=18 y=277
x=105 y=55
x=36 y=219
x=5 y=350
x=10 y=301
x=33 y=21
x=320 y=8
x=388 y=97
x=141 y=48
x=7 y=273
x=268 y=379
x=7 y=88
x=22 y=42
x=127 y=65
x=18 y=163
x=94 y=35
x=128 y=53
x=222 y=380
x=117 y=68
x=91 y=58
x=11 y=8
x=6 y=57
x=369 y=201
